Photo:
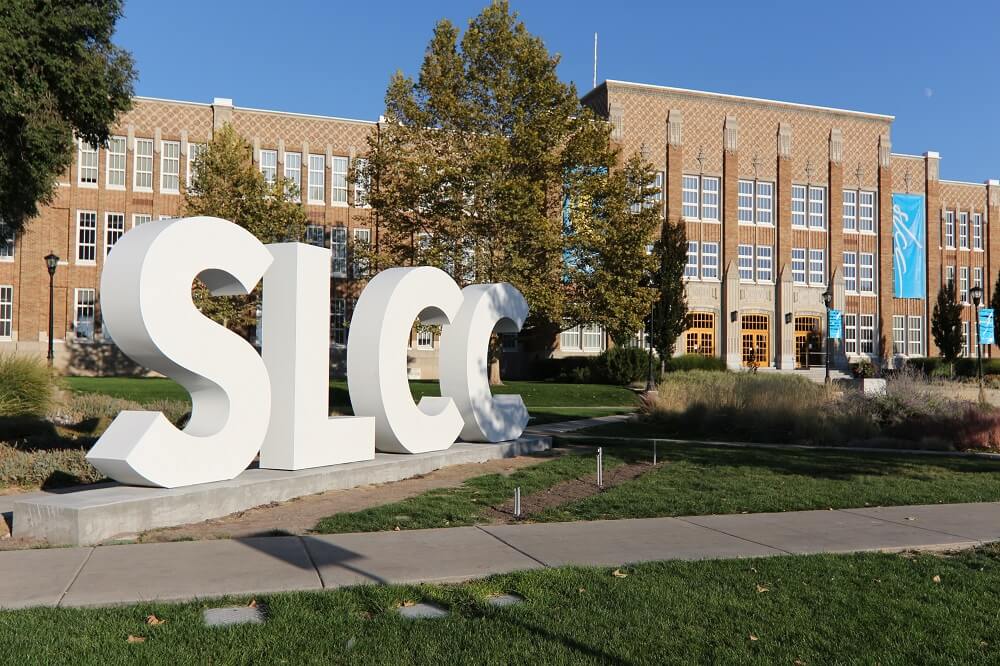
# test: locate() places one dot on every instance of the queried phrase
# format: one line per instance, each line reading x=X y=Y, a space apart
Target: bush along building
x=783 y=201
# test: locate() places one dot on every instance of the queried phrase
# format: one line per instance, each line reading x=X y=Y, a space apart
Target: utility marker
x=600 y=467
x=517 y=502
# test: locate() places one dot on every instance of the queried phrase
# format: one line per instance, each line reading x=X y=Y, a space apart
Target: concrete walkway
x=198 y=569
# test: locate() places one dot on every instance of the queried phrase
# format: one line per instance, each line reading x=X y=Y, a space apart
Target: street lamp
x=51 y=261
x=827 y=301
x=977 y=296
x=653 y=282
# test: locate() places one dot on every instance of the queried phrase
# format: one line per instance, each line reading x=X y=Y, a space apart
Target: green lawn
x=698 y=480
x=820 y=609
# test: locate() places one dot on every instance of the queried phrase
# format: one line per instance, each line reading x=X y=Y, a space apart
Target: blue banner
x=909 y=260
x=985 y=326
x=834 y=325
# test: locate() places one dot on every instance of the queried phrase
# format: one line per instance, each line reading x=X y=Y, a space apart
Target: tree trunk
x=493 y=360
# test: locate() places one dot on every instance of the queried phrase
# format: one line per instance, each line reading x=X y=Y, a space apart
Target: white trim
x=758 y=100
x=107 y=163
x=963 y=182
x=135 y=164
x=163 y=172
x=79 y=164
x=76 y=247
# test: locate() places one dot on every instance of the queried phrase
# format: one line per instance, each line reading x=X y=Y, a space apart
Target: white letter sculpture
x=376 y=359
x=147 y=307
x=296 y=336
x=464 y=372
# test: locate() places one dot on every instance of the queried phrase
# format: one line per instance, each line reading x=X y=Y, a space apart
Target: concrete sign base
x=92 y=516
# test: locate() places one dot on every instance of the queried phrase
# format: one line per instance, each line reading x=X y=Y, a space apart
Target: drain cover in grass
x=504 y=599
x=422 y=611
x=225 y=617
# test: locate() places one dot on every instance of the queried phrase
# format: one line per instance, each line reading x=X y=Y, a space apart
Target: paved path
x=198 y=569
x=578 y=424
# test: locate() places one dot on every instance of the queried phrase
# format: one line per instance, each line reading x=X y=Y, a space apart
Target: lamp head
x=976 y=293
x=51 y=261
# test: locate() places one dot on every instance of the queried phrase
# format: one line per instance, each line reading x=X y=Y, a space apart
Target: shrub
x=926 y=365
x=571 y=369
x=27 y=386
x=624 y=365
x=695 y=362
x=863 y=369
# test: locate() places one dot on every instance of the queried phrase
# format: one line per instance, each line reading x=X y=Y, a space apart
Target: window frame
x=862 y=266
x=691 y=268
x=8 y=243
x=919 y=328
x=149 y=218
x=949 y=229
x=977 y=232
x=6 y=312
x=710 y=271
x=109 y=169
x=320 y=160
x=175 y=161
x=338 y=180
x=139 y=175
x=293 y=173
x=91 y=244
x=813 y=251
x=78 y=306
x=269 y=169
x=119 y=232
x=800 y=266
x=762 y=258
x=358 y=266
x=870 y=328
x=963 y=230
x=850 y=261
x=751 y=257
x=850 y=321
x=338 y=250
x=899 y=335
x=88 y=149
x=193 y=151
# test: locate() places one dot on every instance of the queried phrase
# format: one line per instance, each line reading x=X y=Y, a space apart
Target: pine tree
x=671 y=308
x=478 y=161
x=226 y=184
x=62 y=77
x=946 y=323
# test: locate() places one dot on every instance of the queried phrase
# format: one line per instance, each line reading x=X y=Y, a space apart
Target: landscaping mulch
x=566 y=492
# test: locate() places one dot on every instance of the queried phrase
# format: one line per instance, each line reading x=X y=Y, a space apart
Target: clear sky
x=934 y=65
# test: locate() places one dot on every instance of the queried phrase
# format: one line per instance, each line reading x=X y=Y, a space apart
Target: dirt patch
x=300 y=515
x=565 y=492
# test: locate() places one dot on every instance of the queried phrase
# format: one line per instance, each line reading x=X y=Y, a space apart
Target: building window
x=963 y=230
x=963 y=284
x=966 y=347
x=867 y=334
x=361 y=188
x=765 y=263
x=142 y=179
x=817 y=207
x=745 y=202
x=977 y=231
x=138 y=219
x=850 y=210
x=916 y=332
x=170 y=166
x=709 y=261
x=362 y=238
x=84 y=310
x=425 y=339
x=115 y=176
x=949 y=279
x=817 y=266
x=765 y=203
x=756 y=202
x=315 y=235
x=700 y=336
x=798 y=205
x=700 y=194
x=593 y=337
x=850 y=334
x=338 y=184
x=6 y=311
x=293 y=172
x=570 y=338
x=899 y=334
x=851 y=272
x=195 y=151
x=799 y=265
x=317 y=185
x=691 y=268
x=338 y=251
x=338 y=330
x=87 y=160
x=6 y=243
x=867 y=271
x=949 y=228
x=114 y=228
x=746 y=263
x=866 y=212
x=269 y=165
x=86 y=237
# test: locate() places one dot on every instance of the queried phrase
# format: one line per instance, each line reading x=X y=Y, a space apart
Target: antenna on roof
x=595 y=60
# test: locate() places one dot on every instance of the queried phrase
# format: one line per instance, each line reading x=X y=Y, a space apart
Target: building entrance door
x=806 y=341
x=755 y=331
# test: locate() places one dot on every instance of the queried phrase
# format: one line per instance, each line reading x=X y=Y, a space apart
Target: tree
x=476 y=164
x=226 y=184
x=995 y=304
x=946 y=323
x=672 y=310
x=61 y=76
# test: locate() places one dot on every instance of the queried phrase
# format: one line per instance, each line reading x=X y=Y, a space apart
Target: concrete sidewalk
x=187 y=570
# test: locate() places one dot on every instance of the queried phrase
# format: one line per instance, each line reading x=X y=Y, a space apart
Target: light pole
x=827 y=301
x=51 y=261
x=977 y=296
x=649 y=341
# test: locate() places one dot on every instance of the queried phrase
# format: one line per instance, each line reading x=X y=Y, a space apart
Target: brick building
x=781 y=200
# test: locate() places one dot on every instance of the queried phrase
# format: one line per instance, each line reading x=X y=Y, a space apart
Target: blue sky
x=935 y=66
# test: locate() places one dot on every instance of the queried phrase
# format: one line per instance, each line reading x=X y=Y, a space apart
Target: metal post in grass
x=654 y=451
x=600 y=467
x=517 y=502
x=977 y=296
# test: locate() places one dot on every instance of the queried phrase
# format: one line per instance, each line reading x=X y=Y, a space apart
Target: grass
x=544 y=397
x=818 y=609
x=699 y=480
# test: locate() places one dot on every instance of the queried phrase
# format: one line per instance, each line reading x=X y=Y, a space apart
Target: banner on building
x=985 y=334
x=835 y=325
x=909 y=259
